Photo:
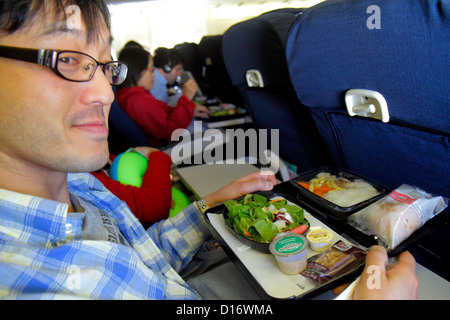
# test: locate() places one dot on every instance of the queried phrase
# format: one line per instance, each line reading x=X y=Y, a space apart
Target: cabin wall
x=165 y=23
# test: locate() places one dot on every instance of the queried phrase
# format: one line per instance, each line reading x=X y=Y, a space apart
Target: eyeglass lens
x=80 y=67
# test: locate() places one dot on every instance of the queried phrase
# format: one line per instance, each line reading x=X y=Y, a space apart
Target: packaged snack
x=395 y=217
x=338 y=259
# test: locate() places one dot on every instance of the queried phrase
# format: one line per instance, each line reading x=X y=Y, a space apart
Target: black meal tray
x=288 y=191
x=327 y=206
x=223 y=118
x=218 y=103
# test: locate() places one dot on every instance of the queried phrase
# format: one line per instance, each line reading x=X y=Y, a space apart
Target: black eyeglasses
x=69 y=65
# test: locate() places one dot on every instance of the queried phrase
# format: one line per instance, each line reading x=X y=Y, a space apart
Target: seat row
x=362 y=85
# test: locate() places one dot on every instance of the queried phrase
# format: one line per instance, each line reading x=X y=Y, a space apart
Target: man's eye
x=109 y=68
x=68 y=60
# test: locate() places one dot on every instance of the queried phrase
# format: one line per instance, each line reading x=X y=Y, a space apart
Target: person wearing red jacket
x=153 y=200
x=156 y=118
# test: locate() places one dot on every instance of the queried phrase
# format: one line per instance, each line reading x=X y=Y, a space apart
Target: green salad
x=258 y=219
x=224 y=112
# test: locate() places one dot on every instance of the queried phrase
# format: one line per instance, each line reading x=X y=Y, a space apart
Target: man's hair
x=167 y=58
x=16 y=14
x=136 y=57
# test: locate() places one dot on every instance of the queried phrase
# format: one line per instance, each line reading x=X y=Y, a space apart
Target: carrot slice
x=300 y=229
x=304 y=184
x=275 y=200
x=320 y=191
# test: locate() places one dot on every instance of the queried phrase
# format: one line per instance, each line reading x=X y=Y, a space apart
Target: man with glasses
x=62 y=234
x=69 y=65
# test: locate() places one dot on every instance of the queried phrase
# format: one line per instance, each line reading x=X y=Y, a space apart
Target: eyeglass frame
x=49 y=58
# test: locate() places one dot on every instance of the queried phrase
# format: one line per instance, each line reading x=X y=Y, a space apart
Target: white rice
x=353 y=193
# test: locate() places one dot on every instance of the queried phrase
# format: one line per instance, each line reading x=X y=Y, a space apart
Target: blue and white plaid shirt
x=43 y=256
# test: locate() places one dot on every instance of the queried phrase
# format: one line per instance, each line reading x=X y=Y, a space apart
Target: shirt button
x=69 y=228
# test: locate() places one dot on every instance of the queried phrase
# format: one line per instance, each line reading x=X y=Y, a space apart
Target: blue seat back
x=193 y=63
x=257 y=44
x=215 y=72
x=399 y=48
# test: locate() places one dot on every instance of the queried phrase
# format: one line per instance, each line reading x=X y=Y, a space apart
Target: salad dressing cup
x=289 y=249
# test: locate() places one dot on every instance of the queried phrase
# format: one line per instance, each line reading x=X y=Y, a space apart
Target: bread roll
x=393 y=221
x=395 y=217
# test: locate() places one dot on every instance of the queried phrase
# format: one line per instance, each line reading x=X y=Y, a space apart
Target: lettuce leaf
x=250 y=217
x=266 y=229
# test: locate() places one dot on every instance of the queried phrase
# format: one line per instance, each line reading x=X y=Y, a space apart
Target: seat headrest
x=255 y=45
x=336 y=46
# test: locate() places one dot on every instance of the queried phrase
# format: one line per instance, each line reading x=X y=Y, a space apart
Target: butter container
x=319 y=239
x=289 y=250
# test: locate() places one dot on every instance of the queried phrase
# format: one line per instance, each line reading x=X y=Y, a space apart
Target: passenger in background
x=152 y=201
x=133 y=43
x=156 y=118
x=168 y=67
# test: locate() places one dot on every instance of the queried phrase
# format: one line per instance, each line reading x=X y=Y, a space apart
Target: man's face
x=46 y=122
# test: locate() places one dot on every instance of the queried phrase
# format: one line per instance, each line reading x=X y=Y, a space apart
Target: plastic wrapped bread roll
x=395 y=217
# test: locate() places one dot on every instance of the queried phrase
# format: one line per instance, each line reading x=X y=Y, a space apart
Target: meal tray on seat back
x=260 y=267
x=336 y=191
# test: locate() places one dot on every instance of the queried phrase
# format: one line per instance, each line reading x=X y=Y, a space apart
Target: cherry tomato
x=300 y=229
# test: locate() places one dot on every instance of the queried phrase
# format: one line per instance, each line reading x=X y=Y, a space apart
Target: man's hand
x=379 y=281
x=190 y=88
x=259 y=181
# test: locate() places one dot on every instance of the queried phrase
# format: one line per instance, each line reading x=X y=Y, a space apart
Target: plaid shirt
x=42 y=254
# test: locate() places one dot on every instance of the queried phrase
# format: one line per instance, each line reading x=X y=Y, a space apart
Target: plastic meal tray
x=327 y=206
x=261 y=269
x=223 y=118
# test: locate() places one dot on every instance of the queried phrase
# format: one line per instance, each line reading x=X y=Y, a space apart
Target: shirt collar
x=36 y=220
x=161 y=78
x=44 y=222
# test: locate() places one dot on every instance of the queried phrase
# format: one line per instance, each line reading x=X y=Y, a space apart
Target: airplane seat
x=336 y=47
x=124 y=133
x=281 y=20
x=255 y=59
x=400 y=50
x=193 y=63
x=215 y=72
